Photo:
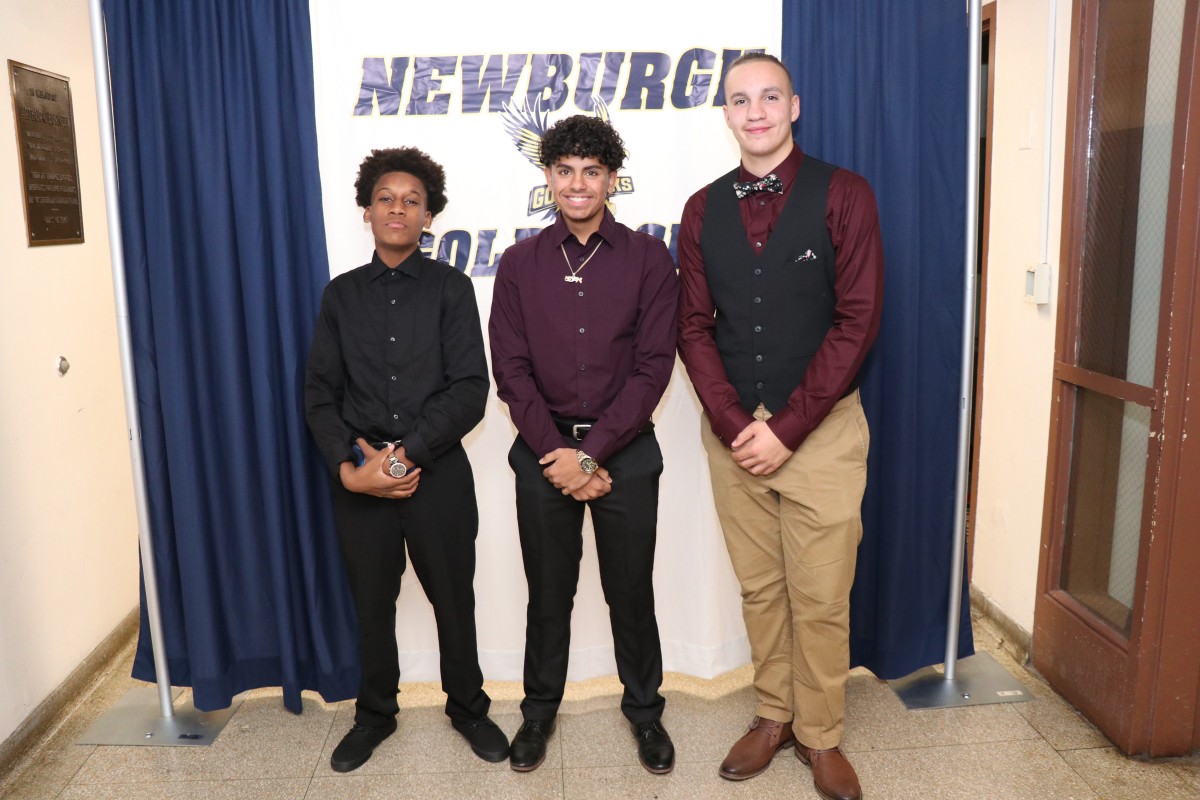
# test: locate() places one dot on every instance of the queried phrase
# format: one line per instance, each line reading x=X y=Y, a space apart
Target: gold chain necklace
x=574 y=276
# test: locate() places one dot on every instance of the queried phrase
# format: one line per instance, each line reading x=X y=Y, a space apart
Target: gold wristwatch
x=586 y=462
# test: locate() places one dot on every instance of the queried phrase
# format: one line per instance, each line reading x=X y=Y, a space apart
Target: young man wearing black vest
x=782 y=267
x=583 y=343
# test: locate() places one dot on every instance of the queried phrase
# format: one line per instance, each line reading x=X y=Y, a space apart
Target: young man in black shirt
x=396 y=377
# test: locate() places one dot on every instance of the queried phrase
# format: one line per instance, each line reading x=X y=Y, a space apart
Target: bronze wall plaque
x=45 y=128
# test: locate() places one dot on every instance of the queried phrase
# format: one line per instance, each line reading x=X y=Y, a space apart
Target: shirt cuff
x=416 y=450
x=789 y=428
x=728 y=425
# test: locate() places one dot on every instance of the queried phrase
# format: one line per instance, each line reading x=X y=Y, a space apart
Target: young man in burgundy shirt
x=782 y=269
x=583 y=342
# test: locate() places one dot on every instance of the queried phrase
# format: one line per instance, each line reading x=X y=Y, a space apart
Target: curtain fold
x=225 y=254
x=883 y=92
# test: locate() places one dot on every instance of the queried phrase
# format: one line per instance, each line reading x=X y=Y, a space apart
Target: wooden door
x=1115 y=628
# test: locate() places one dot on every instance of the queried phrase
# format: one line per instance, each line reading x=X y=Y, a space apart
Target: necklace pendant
x=572 y=279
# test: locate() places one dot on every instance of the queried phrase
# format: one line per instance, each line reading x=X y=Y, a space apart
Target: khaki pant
x=793 y=539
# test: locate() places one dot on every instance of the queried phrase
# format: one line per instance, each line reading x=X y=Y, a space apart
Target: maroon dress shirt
x=599 y=349
x=853 y=224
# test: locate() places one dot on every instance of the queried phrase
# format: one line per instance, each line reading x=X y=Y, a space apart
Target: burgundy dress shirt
x=853 y=224
x=601 y=348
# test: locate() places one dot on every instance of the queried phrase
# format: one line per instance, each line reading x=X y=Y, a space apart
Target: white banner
x=469 y=88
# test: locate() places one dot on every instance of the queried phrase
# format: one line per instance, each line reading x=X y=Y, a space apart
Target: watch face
x=396 y=467
x=588 y=464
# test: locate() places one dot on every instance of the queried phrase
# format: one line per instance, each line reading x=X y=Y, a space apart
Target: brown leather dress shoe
x=833 y=776
x=752 y=753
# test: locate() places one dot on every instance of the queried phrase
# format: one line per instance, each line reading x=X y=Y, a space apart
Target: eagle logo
x=527 y=124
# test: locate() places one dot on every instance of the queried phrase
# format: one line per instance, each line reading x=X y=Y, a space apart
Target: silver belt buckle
x=576 y=429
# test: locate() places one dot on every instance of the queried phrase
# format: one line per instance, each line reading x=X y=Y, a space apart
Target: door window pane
x=1130 y=137
x=1104 y=504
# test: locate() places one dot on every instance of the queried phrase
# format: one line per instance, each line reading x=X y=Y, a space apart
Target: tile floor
x=1021 y=751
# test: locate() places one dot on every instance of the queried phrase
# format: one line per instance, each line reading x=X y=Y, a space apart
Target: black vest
x=773 y=309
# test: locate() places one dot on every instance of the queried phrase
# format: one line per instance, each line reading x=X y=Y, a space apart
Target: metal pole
x=117 y=251
x=968 y=341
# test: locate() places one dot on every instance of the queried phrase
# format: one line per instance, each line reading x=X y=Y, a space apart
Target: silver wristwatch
x=396 y=467
x=586 y=462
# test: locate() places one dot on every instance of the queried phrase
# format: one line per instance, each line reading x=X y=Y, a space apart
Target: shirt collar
x=786 y=170
x=559 y=232
x=408 y=266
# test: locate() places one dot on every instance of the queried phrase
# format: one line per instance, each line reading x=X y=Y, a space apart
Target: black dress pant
x=438 y=523
x=551 y=530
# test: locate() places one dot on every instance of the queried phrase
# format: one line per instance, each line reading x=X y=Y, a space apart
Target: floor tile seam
x=1096 y=790
x=178 y=781
x=973 y=742
x=1170 y=769
x=946 y=746
x=71 y=780
x=1186 y=776
x=411 y=770
x=324 y=747
x=1081 y=748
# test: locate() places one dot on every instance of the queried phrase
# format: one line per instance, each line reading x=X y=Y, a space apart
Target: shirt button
x=758 y=358
x=757 y=300
x=393 y=338
x=395 y=416
x=762 y=203
x=582 y=367
x=581 y=330
x=758 y=244
x=584 y=403
x=393 y=377
x=758 y=328
x=757 y=271
x=393 y=302
x=758 y=385
x=581 y=294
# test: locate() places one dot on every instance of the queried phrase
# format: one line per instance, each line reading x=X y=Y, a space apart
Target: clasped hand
x=565 y=474
x=373 y=477
x=758 y=450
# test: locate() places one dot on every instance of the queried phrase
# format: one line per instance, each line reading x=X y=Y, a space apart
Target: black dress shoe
x=357 y=745
x=528 y=749
x=487 y=740
x=655 y=750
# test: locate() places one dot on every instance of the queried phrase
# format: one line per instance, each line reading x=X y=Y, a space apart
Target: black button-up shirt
x=397 y=354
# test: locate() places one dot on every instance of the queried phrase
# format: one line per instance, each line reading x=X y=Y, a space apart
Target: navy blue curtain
x=883 y=92
x=225 y=257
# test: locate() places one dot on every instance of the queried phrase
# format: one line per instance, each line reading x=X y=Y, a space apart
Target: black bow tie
x=771 y=183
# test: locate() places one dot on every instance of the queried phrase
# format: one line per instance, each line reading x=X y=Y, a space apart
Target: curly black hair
x=402 y=159
x=586 y=137
x=754 y=55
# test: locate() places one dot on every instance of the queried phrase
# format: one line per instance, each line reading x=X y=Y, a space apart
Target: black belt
x=578 y=428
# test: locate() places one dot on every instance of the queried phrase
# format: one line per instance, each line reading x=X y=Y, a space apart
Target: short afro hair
x=402 y=159
x=585 y=137
x=754 y=55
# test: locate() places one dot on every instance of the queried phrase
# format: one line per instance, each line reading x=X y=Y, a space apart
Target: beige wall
x=1019 y=345
x=68 y=533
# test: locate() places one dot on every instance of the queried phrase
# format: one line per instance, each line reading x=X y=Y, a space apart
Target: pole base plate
x=137 y=720
x=978 y=680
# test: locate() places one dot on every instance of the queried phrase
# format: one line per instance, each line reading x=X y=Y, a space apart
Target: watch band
x=586 y=462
